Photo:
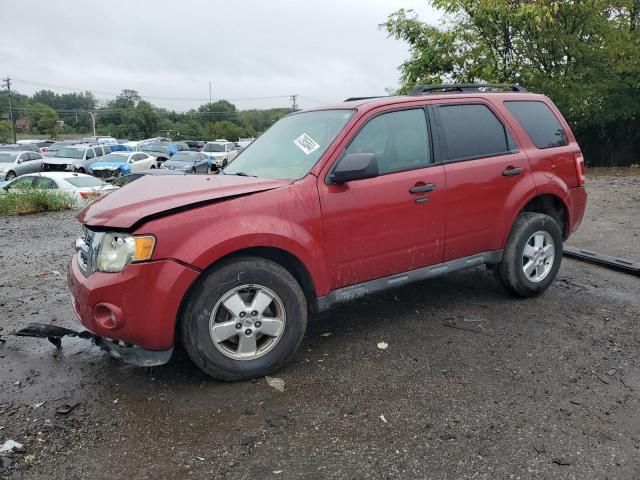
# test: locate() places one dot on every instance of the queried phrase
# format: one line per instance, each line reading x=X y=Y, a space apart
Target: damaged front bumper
x=126 y=352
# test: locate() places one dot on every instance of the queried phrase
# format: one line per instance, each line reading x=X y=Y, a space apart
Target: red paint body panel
x=342 y=234
x=149 y=295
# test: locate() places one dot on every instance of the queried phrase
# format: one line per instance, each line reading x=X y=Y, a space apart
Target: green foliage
x=6 y=134
x=584 y=55
x=31 y=200
x=44 y=119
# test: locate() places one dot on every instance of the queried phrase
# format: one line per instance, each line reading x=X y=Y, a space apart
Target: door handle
x=429 y=187
x=512 y=171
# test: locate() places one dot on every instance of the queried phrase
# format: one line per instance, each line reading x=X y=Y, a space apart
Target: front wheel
x=153 y=167
x=532 y=256
x=244 y=319
x=10 y=176
x=80 y=170
x=224 y=163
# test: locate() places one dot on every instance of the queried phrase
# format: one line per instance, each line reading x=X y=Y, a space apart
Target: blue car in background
x=118 y=147
x=117 y=164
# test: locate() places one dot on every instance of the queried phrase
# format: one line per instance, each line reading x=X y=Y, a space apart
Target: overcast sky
x=324 y=51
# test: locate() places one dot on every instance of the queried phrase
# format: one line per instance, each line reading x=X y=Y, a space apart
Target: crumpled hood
x=61 y=160
x=156 y=195
x=109 y=165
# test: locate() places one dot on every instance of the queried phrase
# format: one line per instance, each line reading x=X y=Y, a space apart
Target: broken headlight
x=117 y=250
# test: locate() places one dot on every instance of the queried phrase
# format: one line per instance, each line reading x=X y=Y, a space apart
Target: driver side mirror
x=131 y=160
x=355 y=166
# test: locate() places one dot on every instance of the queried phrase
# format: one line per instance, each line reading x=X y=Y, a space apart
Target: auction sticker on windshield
x=307 y=144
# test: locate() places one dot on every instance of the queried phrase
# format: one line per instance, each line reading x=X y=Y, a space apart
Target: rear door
x=394 y=222
x=487 y=175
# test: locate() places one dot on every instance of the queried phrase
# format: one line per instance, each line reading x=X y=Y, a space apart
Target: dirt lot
x=474 y=383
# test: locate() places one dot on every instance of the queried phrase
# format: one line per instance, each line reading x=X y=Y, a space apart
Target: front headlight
x=117 y=250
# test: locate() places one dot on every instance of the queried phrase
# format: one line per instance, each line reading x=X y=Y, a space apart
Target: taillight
x=84 y=195
x=580 y=168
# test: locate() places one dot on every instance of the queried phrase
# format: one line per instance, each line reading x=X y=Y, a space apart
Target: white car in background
x=80 y=187
x=221 y=152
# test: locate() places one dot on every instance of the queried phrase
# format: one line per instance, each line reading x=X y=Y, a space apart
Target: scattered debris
x=561 y=461
x=328 y=334
x=383 y=419
x=606 y=382
x=247 y=440
x=11 y=445
x=448 y=436
x=38 y=405
x=575 y=402
x=200 y=458
x=115 y=401
x=277 y=472
x=383 y=345
x=276 y=383
x=56 y=273
x=540 y=448
x=17 y=383
x=611 y=372
x=66 y=409
x=453 y=324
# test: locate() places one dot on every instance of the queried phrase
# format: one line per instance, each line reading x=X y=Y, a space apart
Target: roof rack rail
x=465 y=88
x=355 y=99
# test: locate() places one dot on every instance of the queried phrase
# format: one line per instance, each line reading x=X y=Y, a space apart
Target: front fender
x=285 y=218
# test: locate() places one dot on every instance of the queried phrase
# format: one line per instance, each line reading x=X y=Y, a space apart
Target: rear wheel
x=153 y=167
x=532 y=256
x=224 y=163
x=10 y=176
x=193 y=171
x=245 y=318
x=80 y=170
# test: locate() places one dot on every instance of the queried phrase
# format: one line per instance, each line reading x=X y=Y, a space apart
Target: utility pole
x=12 y=118
x=209 y=110
x=294 y=105
x=93 y=121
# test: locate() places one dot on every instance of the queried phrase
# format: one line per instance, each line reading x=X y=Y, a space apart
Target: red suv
x=328 y=205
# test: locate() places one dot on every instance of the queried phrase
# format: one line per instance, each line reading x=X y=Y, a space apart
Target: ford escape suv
x=326 y=206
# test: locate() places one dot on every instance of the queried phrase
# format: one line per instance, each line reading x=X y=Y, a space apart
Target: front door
x=391 y=223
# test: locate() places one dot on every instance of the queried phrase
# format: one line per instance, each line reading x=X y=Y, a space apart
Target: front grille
x=54 y=167
x=87 y=248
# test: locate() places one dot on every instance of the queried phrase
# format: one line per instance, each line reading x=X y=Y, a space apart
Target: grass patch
x=27 y=201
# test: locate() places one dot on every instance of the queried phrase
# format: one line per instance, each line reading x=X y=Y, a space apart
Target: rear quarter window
x=473 y=131
x=539 y=122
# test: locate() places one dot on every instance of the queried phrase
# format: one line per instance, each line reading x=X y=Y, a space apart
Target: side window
x=540 y=123
x=473 y=131
x=36 y=156
x=399 y=140
x=25 y=181
x=89 y=154
x=139 y=156
x=98 y=151
x=106 y=148
x=44 y=182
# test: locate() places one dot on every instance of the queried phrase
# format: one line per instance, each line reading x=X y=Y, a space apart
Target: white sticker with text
x=307 y=144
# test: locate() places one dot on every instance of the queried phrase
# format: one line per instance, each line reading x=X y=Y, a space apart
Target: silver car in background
x=14 y=163
x=75 y=158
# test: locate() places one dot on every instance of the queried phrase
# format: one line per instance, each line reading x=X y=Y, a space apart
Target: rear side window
x=540 y=123
x=473 y=131
x=399 y=140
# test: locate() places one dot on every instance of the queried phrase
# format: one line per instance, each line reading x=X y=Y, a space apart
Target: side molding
x=359 y=290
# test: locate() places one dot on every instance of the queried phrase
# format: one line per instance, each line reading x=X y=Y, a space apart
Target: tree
x=5 y=131
x=220 y=110
x=584 y=55
x=45 y=120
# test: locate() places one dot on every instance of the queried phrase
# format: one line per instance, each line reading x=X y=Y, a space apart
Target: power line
x=150 y=97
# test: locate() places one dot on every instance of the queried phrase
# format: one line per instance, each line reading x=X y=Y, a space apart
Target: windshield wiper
x=242 y=174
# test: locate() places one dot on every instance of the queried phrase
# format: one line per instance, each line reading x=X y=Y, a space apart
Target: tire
x=528 y=228
x=10 y=176
x=153 y=167
x=204 y=307
x=80 y=170
x=193 y=171
x=224 y=163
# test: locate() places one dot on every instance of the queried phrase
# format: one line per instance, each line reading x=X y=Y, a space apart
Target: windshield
x=82 y=182
x=7 y=157
x=214 y=147
x=77 y=153
x=154 y=147
x=57 y=146
x=113 y=157
x=182 y=157
x=290 y=149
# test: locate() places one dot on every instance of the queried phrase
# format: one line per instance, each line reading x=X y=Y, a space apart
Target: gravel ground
x=473 y=384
